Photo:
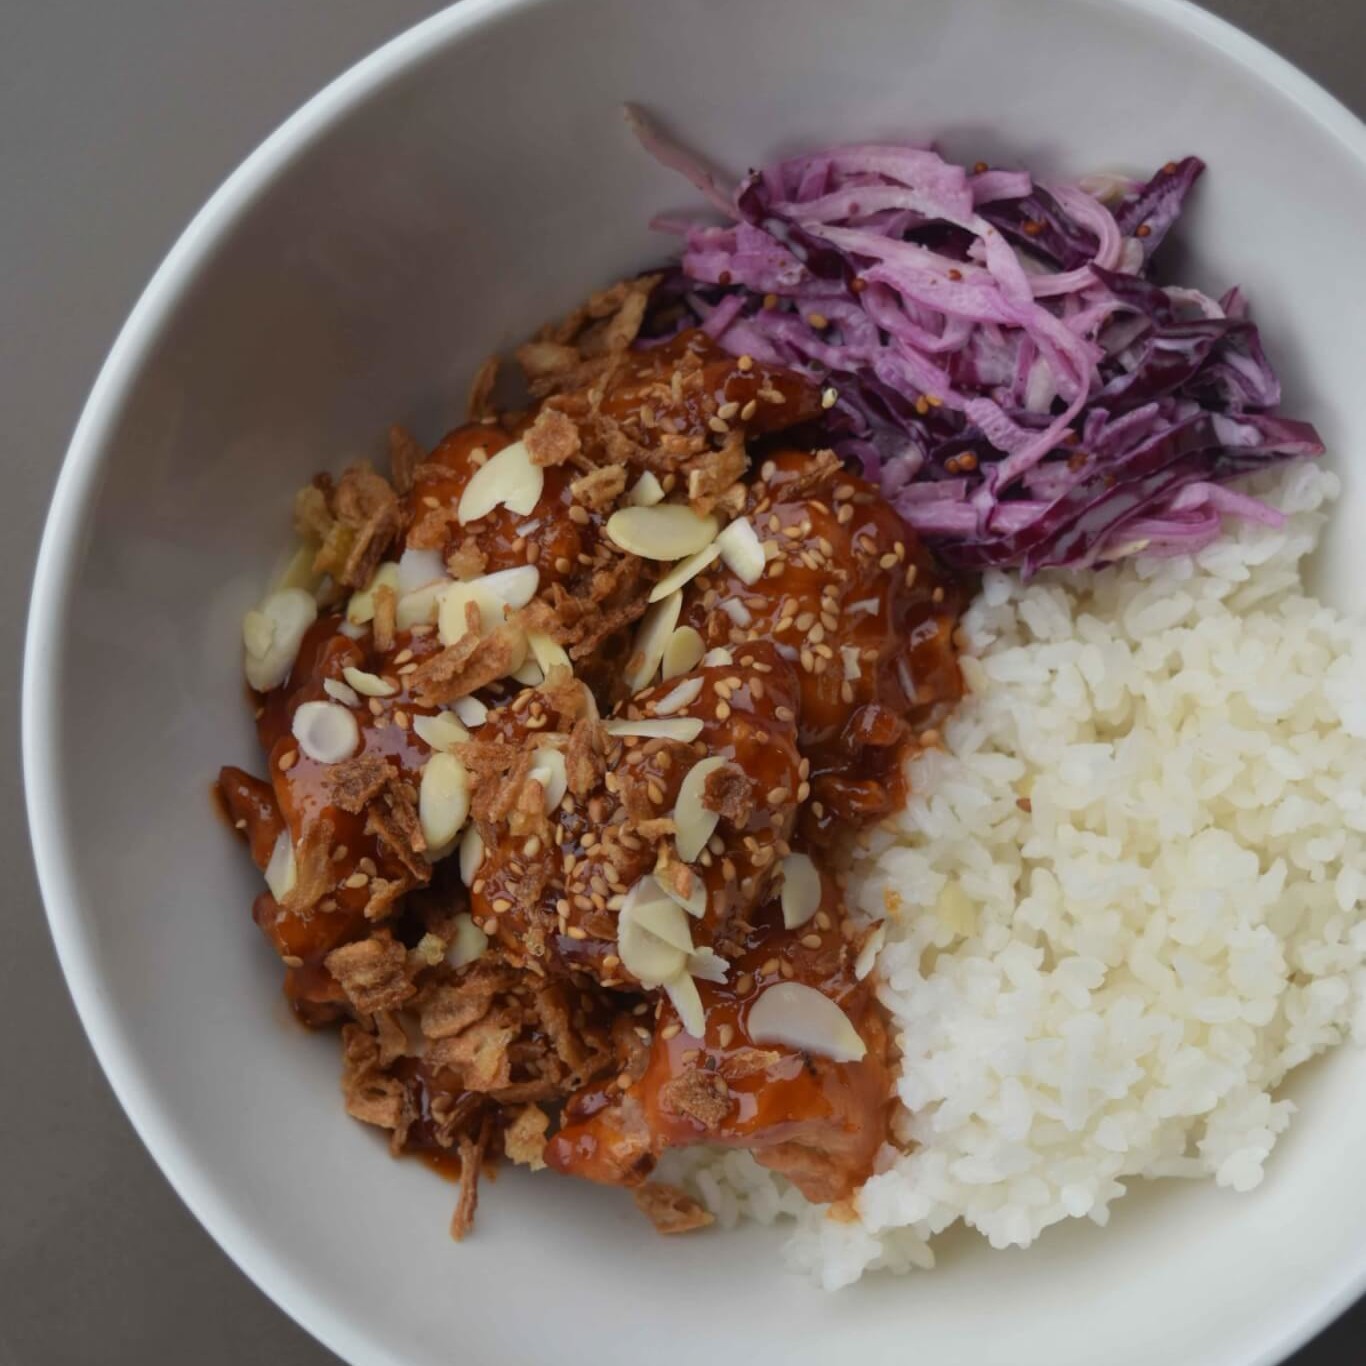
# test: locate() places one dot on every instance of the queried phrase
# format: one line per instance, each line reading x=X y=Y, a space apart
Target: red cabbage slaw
x=996 y=352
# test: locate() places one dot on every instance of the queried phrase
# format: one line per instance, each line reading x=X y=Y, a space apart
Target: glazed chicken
x=552 y=775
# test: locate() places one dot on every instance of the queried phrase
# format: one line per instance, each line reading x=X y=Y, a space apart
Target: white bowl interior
x=435 y=206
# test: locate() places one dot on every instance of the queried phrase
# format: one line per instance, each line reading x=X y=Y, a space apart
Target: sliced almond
x=678 y=697
x=666 y=531
x=684 y=572
x=695 y=902
x=647 y=957
x=509 y=480
x=326 y=731
x=646 y=491
x=801 y=894
x=340 y=692
x=652 y=635
x=528 y=673
x=282 y=871
x=707 y=965
x=693 y=823
x=682 y=652
x=548 y=653
x=441 y=731
x=687 y=1000
x=368 y=684
x=443 y=801
x=471 y=854
x=801 y=1017
x=418 y=568
x=742 y=550
x=272 y=634
x=849 y=657
x=548 y=769
x=469 y=942
x=738 y=613
x=867 y=956
x=720 y=658
x=470 y=710
x=420 y=608
x=652 y=909
x=360 y=608
x=516 y=586
x=452 y=620
x=685 y=728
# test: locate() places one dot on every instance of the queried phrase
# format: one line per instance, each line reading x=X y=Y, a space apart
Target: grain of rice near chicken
x=1130 y=893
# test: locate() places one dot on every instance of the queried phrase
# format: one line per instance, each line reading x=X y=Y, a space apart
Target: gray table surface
x=117 y=120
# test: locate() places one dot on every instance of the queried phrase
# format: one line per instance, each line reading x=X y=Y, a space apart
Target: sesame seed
x=501 y=904
x=778 y=795
x=811 y=941
x=727 y=411
x=745 y=363
x=288 y=760
x=671 y=1030
x=725 y=1035
x=749 y=410
x=574 y=931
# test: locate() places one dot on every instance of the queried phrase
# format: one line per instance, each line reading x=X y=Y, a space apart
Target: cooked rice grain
x=1131 y=894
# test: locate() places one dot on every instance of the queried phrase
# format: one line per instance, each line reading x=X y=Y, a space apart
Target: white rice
x=1112 y=983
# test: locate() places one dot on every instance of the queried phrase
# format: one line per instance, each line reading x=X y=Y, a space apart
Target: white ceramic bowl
x=434 y=203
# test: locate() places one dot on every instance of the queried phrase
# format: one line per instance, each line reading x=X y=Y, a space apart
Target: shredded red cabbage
x=999 y=353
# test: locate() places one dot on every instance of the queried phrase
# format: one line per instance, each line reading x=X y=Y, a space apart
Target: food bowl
x=435 y=203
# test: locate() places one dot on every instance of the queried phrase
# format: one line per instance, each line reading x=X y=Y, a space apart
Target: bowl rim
x=71 y=507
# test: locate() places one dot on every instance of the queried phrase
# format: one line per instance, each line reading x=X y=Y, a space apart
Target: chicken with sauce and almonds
x=564 y=724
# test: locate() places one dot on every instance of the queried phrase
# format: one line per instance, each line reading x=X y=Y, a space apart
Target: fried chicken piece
x=551 y=882
x=848 y=591
x=817 y=1121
